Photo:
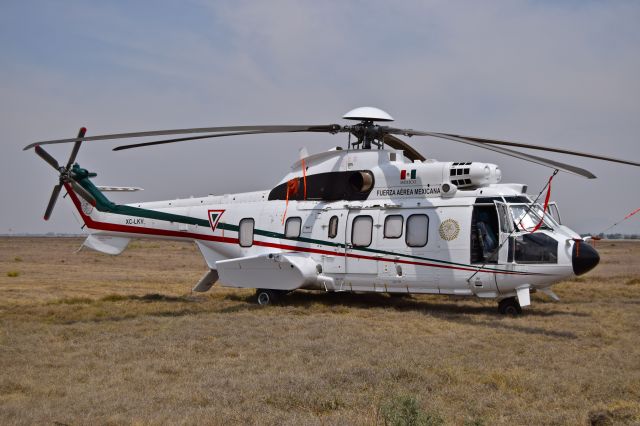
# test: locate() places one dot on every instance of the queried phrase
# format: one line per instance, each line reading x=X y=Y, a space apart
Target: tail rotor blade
x=76 y=147
x=83 y=192
x=52 y=201
x=47 y=157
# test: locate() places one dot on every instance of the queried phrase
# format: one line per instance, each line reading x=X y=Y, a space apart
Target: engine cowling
x=473 y=174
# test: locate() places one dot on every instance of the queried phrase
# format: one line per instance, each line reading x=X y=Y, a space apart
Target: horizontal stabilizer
x=287 y=271
x=106 y=244
x=119 y=188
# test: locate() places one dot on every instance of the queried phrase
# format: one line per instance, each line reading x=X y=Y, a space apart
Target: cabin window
x=333 y=227
x=292 y=227
x=361 y=231
x=245 y=232
x=417 y=230
x=393 y=226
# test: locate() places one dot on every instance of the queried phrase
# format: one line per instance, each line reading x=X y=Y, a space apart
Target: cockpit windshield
x=527 y=217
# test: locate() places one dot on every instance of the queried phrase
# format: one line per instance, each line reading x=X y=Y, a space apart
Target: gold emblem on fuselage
x=449 y=229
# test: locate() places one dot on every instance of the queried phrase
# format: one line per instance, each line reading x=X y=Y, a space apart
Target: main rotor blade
x=330 y=128
x=397 y=143
x=521 y=155
x=545 y=148
x=52 y=201
x=76 y=147
x=191 y=138
x=83 y=192
x=47 y=157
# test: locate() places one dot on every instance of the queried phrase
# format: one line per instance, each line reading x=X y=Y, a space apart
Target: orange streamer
x=293 y=186
x=546 y=205
x=631 y=214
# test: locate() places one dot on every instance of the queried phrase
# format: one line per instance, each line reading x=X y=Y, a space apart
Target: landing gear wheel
x=509 y=306
x=266 y=297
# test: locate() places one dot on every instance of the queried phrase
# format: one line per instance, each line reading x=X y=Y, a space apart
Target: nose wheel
x=509 y=306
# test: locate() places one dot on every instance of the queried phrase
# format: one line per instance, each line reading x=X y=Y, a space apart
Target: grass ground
x=88 y=338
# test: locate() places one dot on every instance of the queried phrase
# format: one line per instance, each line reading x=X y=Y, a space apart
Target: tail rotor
x=66 y=175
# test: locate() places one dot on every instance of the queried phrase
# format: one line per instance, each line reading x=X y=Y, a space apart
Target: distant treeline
x=619 y=236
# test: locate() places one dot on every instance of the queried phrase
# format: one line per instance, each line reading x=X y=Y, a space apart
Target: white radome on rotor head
x=367 y=114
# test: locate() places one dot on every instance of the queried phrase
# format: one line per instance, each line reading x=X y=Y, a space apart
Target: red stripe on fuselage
x=103 y=226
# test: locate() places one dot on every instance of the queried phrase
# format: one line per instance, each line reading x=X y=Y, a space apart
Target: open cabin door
x=506 y=227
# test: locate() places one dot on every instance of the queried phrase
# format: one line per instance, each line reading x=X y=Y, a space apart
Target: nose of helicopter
x=584 y=257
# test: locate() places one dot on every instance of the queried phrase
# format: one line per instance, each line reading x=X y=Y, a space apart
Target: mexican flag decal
x=407 y=174
x=214 y=218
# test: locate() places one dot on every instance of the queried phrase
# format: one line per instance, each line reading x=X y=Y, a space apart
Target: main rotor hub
x=367 y=132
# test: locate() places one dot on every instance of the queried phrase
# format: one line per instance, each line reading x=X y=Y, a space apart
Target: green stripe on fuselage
x=103 y=204
x=154 y=214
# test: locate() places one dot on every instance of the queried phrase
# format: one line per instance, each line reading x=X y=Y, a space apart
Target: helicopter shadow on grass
x=447 y=309
x=176 y=306
x=149 y=297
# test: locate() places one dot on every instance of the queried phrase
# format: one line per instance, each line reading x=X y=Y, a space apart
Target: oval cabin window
x=417 y=230
x=361 y=231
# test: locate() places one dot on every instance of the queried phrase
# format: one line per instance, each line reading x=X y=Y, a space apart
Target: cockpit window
x=536 y=248
x=527 y=217
x=554 y=212
x=548 y=217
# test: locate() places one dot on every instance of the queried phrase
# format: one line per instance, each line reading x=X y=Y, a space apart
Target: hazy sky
x=555 y=73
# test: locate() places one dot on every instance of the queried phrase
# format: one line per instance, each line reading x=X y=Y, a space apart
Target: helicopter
x=375 y=217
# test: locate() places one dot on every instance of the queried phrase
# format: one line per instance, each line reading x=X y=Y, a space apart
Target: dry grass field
x=90 y=339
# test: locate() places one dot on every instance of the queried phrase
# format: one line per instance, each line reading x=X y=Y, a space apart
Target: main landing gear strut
x=510 y=306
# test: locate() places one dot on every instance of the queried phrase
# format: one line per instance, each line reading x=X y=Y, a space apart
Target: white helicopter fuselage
x=371 y=221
